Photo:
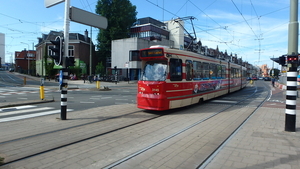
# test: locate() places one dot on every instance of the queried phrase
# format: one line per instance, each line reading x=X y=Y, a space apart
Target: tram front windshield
x=155 y=71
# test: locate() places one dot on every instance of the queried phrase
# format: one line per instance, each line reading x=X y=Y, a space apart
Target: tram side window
x=219 y=71
x=175 y=69
x=189 y=70
x=197 y=70
x=238 y=72
x=235 y=73
x=213 y=71
x=244 y=73
x=223 y=73
x=232 y=72
x=205 y=71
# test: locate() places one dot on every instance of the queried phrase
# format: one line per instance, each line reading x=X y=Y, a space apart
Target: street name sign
x=49 y=3
x=87 y=18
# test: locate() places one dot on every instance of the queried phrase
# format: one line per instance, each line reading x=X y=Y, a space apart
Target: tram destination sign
x=152 y=52
x=87 y=18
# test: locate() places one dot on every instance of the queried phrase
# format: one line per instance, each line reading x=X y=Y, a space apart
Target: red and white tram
x=173 y=78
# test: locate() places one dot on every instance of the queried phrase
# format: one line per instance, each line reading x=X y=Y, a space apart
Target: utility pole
x=90 y=53
x=64 y=71
x=76 y=15
x=292 y=64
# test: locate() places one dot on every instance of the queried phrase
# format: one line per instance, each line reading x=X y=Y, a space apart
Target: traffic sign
x=49 y=3
x=87 y=18
x=60 y=77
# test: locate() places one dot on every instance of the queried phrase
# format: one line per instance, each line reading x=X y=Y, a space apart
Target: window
x=205 y=71
x=232 y=72
x=189 y=70
x=155 y=71
x=223 y=73
x=134 y=55
x=197 y=70
x=50 y=52
x=71 y=51
x=175 y=69
x=213 y=71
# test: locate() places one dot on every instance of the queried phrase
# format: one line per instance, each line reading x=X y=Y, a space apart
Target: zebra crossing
x=25 y=112
x=6 y=91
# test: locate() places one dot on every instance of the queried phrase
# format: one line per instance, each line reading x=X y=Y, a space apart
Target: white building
x=145 y=33
x=2 y=48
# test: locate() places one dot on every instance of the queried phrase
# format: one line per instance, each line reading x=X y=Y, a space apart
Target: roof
x=72 y=36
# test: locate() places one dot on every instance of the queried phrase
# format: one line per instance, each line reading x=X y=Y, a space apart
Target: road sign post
x=80 y=16
x=292 y=62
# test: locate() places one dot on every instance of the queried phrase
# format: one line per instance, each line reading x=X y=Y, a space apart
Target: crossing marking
x=25 y=109
x=18 y=107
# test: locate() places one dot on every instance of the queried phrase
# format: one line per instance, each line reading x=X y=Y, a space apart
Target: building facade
x=79 y=48
x=25 y=62
x=265 y=70
x=144 y=33
x=147 y=32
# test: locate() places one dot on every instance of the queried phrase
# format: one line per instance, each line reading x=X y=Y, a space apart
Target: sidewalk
x=262 y=142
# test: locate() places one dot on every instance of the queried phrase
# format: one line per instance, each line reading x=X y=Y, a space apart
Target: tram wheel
x=200 y=101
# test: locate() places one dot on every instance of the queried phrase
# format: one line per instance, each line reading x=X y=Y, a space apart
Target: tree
x=275 y=71
x=100 y=69
x=121 y=15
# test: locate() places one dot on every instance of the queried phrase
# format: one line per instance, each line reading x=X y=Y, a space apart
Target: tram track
x=62 y=131
x=129 y=125
x=209 y=156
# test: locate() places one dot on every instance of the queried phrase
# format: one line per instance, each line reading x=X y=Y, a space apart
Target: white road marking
x=223 y=101
x=25 y=111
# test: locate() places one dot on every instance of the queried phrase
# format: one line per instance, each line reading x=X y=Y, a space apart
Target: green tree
x=121 y=14
x=100 y=69
x=276 y=72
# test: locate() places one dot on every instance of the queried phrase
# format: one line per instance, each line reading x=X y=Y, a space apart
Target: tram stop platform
x=263 y=142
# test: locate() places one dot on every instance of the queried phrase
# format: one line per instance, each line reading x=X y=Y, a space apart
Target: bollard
x=98 y=84
x=24 y=81
x=251 y=81
x=42 y=93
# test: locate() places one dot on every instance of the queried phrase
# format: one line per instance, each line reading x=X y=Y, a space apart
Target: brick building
x=79 y=47
x=25 y=61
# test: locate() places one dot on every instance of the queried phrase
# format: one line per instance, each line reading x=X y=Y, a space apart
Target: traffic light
x=115 y=69
x=70 y=61
x=282 y=60
x=57 y=49
x=292 y=59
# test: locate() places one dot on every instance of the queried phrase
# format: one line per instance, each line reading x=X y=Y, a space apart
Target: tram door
x=135 y=74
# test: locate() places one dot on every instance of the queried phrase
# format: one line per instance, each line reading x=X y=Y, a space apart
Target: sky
x=255 y=30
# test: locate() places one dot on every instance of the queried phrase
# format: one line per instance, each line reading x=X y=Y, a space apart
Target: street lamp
x=27 y=56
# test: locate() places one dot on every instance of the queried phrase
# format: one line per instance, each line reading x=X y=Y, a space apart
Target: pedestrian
x=83 y=77
x=273 y=82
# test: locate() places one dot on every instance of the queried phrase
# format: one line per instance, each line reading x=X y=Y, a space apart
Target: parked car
x=11 y=69
x=267 y=79
x=254 y=78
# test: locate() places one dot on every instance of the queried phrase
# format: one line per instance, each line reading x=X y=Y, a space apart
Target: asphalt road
x=80 y=96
